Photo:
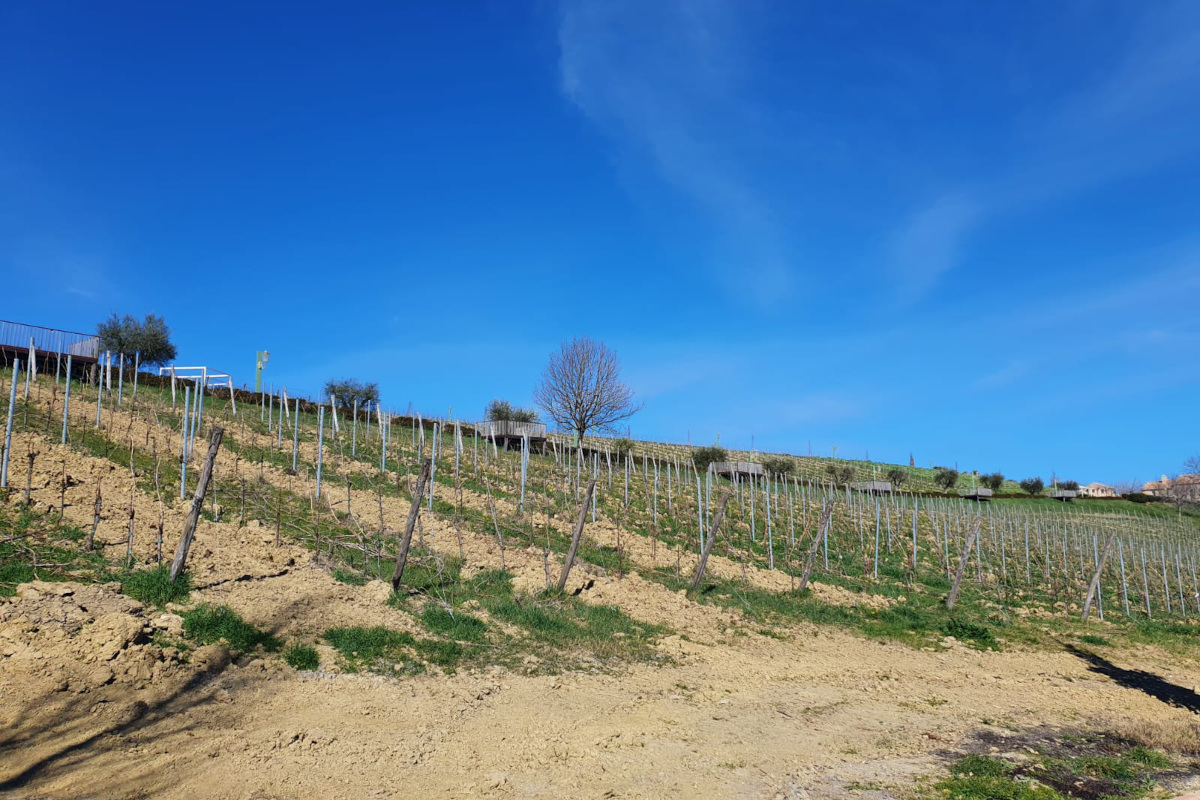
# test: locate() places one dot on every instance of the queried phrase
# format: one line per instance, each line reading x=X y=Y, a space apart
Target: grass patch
x=565 y=625
x=28 y=538
x=154 y=587
x=302 y=657
x=973 y=633
x=1083 y=767
x=1093 y=639
x=207 y=624
x=459 y=626
x=376 y=649
x=352 y=578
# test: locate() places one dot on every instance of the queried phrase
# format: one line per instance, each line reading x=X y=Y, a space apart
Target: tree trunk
x=577 y=535
x=962 y=563
x=189 y=525
x=712 y=537
x=413 y=512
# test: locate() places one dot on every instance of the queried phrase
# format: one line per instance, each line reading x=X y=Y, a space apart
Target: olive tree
x=946 y=478
x=504 y=411
x=125 y=337
x=1032 y=485
x=348 y=390
x=581 y=388
x=993 y=480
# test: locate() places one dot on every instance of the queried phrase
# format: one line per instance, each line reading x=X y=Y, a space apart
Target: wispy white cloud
x=663 y=81
x=1140 y=112
x=928 y=245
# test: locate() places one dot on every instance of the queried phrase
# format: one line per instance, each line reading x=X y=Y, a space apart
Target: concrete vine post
x=8 y=425
x=189 y=526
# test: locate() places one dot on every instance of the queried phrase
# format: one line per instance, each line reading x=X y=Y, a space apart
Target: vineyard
x=417 y=550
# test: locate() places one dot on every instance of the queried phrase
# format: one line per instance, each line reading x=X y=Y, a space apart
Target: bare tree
x=1192 y=465
x=581 y=388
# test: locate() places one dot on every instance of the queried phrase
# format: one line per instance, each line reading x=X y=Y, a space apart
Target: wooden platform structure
x=977 y=493
x=745 y=469
x=1062 y=495
x=507 y=433
x=51 y=346
x=872 y=487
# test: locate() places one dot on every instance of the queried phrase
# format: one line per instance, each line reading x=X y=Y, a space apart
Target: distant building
x=1097 y=490
x=1185 y=488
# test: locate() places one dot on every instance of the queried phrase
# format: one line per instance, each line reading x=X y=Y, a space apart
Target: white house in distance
x=1097 y=490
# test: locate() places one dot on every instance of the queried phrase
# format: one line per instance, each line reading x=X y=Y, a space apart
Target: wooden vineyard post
x=576 y=535
x=413 y=512
x=952 y=598
x=90 y=544
x=818 y=537
x=193 y=517
x=1095 y=585
x=714 y=529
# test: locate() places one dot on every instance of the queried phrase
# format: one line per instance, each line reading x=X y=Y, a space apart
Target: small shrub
x=154 y=586
x=1140 y=497
x=1032 y=486
x=208 y=624
x=703 y=456
x=623 y=447
x=896 y=476
x=302 y=657
x=946 y=478
x=778 y=465
x=993 y=481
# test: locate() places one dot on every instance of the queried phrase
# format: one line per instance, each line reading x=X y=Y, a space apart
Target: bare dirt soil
x=91 y=706
x=97 y=702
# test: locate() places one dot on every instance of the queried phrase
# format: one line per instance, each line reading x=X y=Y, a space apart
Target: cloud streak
x=1140 y=113
x=662 y=81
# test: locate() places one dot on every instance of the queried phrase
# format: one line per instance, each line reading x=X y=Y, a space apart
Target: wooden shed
x=509 y=432
x=745 y=469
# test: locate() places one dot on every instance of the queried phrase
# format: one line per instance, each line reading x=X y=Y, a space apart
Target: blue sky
x=961 y=231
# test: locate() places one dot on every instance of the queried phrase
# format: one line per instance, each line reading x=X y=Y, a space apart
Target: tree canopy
x=993 y=481
x=581 y=388
x=125 y=337
x=1032 y=485
x=347 y=390
x=504 y=411
x=946 y=478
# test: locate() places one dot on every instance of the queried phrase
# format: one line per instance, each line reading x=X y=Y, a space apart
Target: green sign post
x=261 y=359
